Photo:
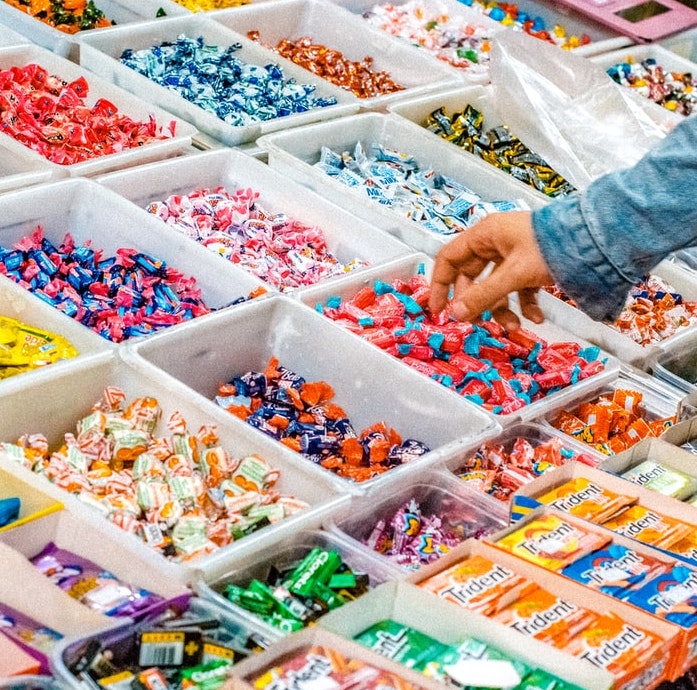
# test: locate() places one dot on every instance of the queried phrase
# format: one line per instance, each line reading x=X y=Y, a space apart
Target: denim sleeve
x=600 y=242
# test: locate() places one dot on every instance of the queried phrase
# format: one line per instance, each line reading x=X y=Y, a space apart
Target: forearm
x=599 y=243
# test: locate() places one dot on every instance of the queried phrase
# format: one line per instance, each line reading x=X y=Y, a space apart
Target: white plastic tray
x=285 y=553
x=68 y=45
x=347 y=237
x=610 y=339
x=100 y=52
x=368 y=384
x=404 y=269
x=325 y=23
x=53 y=408
x=602 y=37
x=8 y=37
x=79 y=207
x=18 y=168
x=126 y=103
x=294 y=153
x=664 y=56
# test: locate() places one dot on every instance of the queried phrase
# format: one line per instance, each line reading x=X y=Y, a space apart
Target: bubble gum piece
x=552 y=542
x=649 y=527
x=478 y=584
x=586 y=499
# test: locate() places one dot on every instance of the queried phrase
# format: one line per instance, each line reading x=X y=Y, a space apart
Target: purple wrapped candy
x=91 y=585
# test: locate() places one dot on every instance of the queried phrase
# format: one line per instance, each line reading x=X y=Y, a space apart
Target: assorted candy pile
x=673 y=90
x=612 y=422
x=449 y=37
x=510 y=14
x=275 y=247
x=501 y=469
x=53 y=118
x=414 y=535
x=448 y=663
x=500 y=371
x=212 y=78
x=653 y=311
x=118 y=297
x=23 y=347
x=498 y=147
x=324 y=666
x=480 y=584
x=181 y=493
x=356 y=76
x=291 y=597
x=301 y=415
x=439 y=204
x=68 y=16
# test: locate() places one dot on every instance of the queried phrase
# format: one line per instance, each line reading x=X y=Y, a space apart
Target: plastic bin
x=602 y=37
x=285 y=554
x=21 y=170
x=68 y=45
x=202 y=358
x=54 y=407
x=34 y=503
x=659 y=400
x=8 y=37
x=347 y=237
x=408 y=267
x=126 y=103
x=677 y=364
x=88 y=211
x=294 y=153
x=462 y=512
x=325 y=23
x=536 y=435
x=123 y=640
x=100 y=52
x=682 y=44
x=664 y=57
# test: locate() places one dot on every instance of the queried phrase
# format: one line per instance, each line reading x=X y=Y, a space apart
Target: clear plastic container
x=404 y=269
x=100 y=52
x=325 y=23
x=79 y=207
x=284 y=555
x=347 y=237
x=53 y=408
x=368 y=384
x=123 y=641
x=68 y=45
x=677 y=364
x=463 y=513
x=294 y=153
x=127 y=104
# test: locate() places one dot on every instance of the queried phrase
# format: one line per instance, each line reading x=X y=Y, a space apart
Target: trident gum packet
x=649 y=527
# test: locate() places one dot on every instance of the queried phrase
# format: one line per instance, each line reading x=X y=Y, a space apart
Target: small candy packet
x=671 y=595
x=665 y=480
x=649 y=527
x=91 y=585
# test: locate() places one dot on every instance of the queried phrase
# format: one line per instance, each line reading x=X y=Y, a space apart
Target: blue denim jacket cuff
x=576 y=262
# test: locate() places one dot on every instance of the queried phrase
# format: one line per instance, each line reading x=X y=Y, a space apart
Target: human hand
x=506 y=240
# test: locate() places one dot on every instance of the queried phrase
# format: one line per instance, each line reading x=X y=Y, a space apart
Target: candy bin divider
x=651 y=449
x=68 y=45
x=101 y=51
x=405 y=603
x=140 y=568
x=77 y=206
x=279 y=326
x=69 y=650
x=64 y=399
x=407 y=267
x=286 y=551
x=22 y=170
x=434 y=493
x=126 y=102
x=603 y=37
x=289 y=646
x=347 y=237
x=324 y=22
x=531 y=431
x=293 y=153
x=9 y=37
x=687 y=637
x=564 y=588
x=664 y=56
x=663 y=400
